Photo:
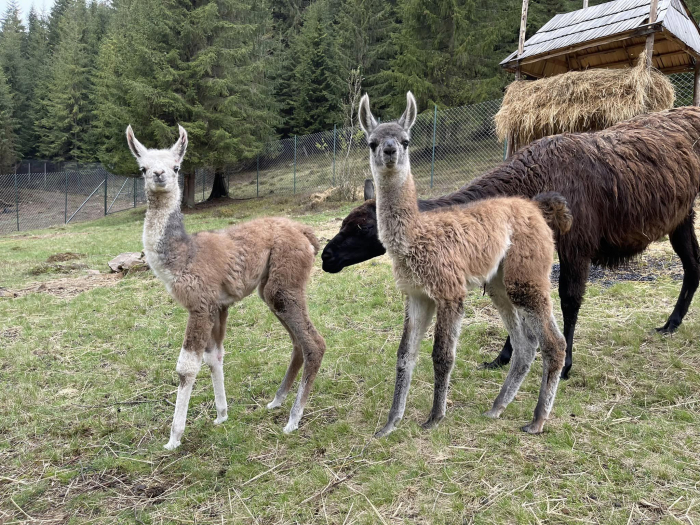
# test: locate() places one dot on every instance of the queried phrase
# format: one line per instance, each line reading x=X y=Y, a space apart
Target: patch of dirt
x=647 y=268
x=11 y=333
x=56 y=268
x=69 y=287
x=63 y=257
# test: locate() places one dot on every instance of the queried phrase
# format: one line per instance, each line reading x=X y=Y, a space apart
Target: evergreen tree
x=318 y=75
x=38 y=64
x=200 y=64
x=67 y=116
x=53 y=27
x=13 y=41
x=8 y=137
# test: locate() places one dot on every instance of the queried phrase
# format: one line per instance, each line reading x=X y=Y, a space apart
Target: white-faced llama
x=502 y=243
x=209 y=271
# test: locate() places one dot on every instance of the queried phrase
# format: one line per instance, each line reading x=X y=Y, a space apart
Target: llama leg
x=685 y=244
x=572 y=286
x=503 y=358
x=524 y=346
x=290 y=307
x=214 y=357
x=447 y=328
x=292 y=370
x=553 y=347
x=188 y=364
x=419 y=312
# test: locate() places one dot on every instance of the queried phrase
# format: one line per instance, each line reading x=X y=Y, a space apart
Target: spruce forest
x=237 y=73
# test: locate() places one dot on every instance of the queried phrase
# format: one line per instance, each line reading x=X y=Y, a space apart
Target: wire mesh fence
x=448 y=149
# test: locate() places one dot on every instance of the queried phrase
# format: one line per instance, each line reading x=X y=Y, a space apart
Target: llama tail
x=309 y=234
x=555 y=210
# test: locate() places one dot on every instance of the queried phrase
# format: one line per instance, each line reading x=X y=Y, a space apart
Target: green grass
x=88 y=383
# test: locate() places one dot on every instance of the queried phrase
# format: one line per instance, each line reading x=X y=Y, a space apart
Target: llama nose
x=389 y=149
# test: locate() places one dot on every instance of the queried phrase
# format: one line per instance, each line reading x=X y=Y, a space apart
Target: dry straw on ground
x=576 y=101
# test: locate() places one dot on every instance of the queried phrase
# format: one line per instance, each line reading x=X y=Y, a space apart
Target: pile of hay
x=588 y=100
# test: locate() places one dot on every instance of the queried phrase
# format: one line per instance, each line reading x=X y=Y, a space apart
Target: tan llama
x=503 y=244
x=209 y=271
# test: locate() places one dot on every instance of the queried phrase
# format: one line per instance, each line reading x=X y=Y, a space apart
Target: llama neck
x=163 y=222
x=397 y=213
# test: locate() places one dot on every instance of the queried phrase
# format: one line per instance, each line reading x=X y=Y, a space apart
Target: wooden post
x=650 y=38
x=521 y=37
x=696 y=84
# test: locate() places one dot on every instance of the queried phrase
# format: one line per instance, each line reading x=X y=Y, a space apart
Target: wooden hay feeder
x=612 y=35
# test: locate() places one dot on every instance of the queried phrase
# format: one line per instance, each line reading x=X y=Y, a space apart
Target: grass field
x=87 y=370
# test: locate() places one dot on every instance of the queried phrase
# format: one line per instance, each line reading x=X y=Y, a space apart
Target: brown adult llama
x=209 y=271
x=503 y=244
x=626 y=186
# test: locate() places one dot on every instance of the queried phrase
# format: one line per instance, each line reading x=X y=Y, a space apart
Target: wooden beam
x=625 y=62
x=523 y=27
x=696 y=84
x=650 y=38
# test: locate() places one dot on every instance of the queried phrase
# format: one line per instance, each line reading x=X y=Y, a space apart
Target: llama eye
x=404 y=143
x=176 y=169
x=373 y=145
x=142 y=169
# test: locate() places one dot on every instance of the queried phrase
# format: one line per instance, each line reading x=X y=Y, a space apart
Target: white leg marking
x=215 y=360
x=188 y=365
x=297 y=410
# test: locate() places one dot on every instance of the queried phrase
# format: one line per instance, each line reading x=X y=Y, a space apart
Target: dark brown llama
x=626 y=186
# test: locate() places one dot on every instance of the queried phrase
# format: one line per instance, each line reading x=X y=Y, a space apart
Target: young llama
x=209 y=271
x=503 y=244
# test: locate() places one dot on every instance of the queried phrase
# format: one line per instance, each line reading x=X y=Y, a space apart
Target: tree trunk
x=219 y=188
x=188 y=190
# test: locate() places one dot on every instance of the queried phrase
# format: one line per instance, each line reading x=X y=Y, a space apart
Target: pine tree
x=200 y=64
x=13 y=41
x=318 y=75
x=67 y=111
x=38 y=64
x=53 y=27
x=8 y=136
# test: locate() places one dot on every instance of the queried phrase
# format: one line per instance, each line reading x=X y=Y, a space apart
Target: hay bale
x=576 y=101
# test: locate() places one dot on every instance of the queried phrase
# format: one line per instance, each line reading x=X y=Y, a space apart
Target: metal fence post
x=29 y=172
x=204 y=181
x=334 y=134
x=16 y=200
x=135 y=188
x=106 y=179
x=505 y=149
x=432 y=162
x=44 y=175
x=65 y=209
x=295 y=164
x=257 y=177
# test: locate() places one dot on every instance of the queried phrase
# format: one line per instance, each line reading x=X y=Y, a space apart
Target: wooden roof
x=611 y=35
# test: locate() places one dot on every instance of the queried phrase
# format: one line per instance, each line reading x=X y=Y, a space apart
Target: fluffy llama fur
x=209 y=271
x=626 y=186
x=504 y=244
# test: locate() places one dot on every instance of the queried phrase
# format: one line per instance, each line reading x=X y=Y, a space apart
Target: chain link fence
x=448 y=149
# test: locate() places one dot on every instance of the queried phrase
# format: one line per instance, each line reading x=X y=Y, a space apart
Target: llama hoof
x=432 y=422
x=492 y=365
x=220 y=419
x=388 y=429
x=565 y=374
x=667 y=328
x=290 y=427
x=275 y=403
x=533 y=428
x=171 y=445
x=494 y=413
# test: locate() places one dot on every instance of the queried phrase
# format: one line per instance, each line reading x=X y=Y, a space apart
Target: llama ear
x=180 y=147
x=367 y=122
x=137 y=149
x=408 y=119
